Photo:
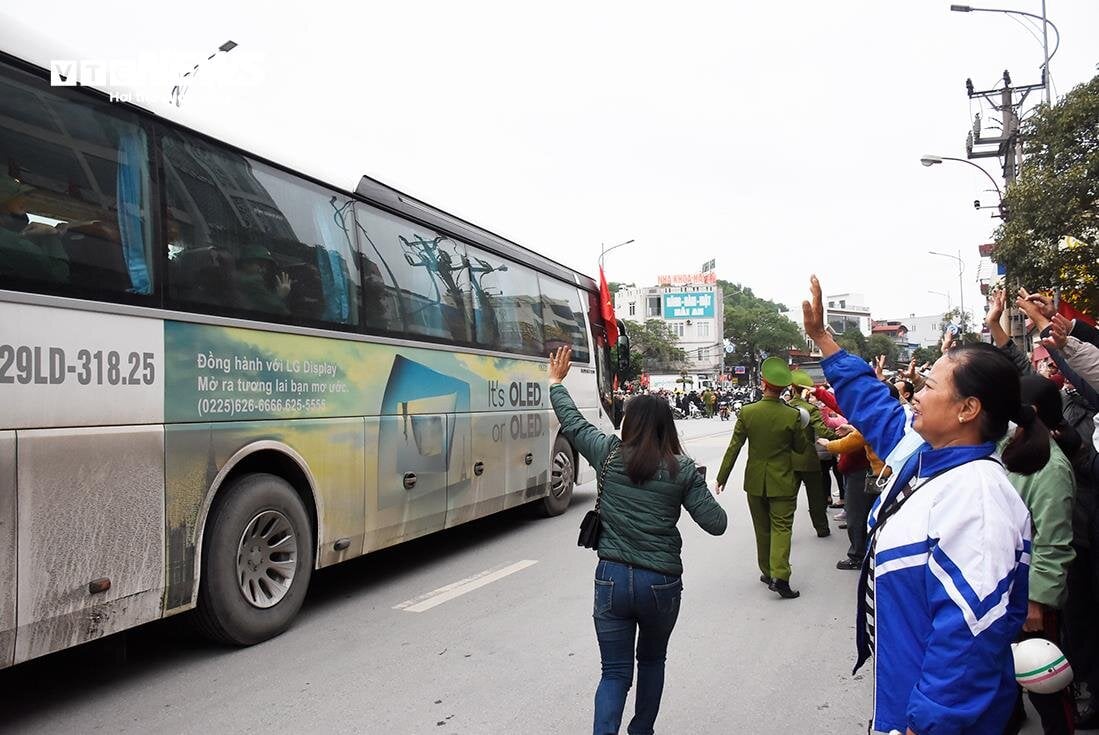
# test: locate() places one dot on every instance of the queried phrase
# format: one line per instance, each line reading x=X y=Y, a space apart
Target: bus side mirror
x=623 y=366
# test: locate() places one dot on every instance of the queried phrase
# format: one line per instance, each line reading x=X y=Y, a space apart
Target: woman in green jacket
x=647 y=479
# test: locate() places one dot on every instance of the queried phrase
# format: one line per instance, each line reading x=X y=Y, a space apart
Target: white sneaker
x=841 y=516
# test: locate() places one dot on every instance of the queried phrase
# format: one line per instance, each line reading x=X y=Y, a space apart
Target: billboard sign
x=688 y=305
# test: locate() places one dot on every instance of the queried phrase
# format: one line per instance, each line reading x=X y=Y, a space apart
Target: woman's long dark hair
x=987 y=374
x=649 y=438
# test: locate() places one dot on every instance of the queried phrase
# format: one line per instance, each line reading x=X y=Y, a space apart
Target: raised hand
x=995 y=307
x=1044 y=304
x=559 y=364
x=879 y=367
x=283 y=284
x=948 y=342
x=1059 y=329
x=1031 y=309
x=812 y=312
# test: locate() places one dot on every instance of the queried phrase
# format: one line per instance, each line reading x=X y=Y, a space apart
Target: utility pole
x=1007 y=146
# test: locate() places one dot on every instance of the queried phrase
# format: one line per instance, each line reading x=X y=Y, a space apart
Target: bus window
x=245 y=237
x=74 y=196
x=415 y=279
x=563 y=314
x=507 y=309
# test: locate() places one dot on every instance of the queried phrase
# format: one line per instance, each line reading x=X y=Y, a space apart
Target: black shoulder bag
x=592 y=525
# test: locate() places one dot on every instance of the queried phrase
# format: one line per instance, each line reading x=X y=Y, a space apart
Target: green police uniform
x=773 y=432
x=807 y=465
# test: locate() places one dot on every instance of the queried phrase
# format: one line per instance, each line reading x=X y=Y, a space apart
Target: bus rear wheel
x=562 y=479
x=256 y=563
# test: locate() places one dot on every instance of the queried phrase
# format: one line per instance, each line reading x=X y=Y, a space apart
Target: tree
x=1057 y=195
x=757 y=328
x=926 y=354
x=613 y=286
x=880 y=344
x=653 y=348
x=854 y=342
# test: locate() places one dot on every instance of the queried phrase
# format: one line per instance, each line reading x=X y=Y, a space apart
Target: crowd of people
x=967 y=490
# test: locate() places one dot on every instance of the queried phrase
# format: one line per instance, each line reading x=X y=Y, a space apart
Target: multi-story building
x=923 y=331
x=694 y=313
x=842 y=313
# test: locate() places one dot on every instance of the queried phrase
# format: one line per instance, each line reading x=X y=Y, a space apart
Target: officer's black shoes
x=849 y=563
x=822 y=532
x=782 y=587
x=765 y=579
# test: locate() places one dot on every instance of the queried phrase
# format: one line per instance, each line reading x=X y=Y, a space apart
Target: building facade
x=842 y=313
x=693 y=312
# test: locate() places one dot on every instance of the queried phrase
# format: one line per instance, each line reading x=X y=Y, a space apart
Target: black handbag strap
x=602 y=479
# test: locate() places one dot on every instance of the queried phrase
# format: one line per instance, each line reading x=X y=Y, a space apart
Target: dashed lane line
x=457 y=589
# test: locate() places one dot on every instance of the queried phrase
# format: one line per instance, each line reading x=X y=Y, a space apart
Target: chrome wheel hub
x=267 y=558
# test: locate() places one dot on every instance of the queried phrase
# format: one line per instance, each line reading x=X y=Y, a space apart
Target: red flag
x=607 y=307
x=1069 y=312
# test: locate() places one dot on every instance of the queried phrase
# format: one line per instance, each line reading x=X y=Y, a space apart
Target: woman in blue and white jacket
x=943 y=590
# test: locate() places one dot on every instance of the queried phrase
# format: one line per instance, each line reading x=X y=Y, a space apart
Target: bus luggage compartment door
x=90 y=508
x=411 y=456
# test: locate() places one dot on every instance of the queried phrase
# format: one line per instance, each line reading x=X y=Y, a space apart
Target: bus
x=218 y=375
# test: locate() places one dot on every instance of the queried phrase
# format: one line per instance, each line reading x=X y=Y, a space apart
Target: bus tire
x=562 y=479
x=256 y=563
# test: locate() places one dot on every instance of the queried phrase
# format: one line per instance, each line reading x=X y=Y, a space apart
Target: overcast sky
x=780 y=138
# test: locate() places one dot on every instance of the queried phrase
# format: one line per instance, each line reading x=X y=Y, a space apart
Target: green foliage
x=879 y=344
x=653 y=348
x=1057 y=194
x=758 y=328
x=854 y=342
x=926 y=355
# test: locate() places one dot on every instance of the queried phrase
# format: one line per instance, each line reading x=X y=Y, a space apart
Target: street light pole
x=945 y=295
x=1046 y=23
x=929 y=159
x=961 y=269
x=604 y=250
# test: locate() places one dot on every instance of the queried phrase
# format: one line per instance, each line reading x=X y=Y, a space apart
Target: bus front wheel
x=562 y=479
x=256 y=563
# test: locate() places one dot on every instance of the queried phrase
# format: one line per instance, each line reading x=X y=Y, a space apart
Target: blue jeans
x=632 y=602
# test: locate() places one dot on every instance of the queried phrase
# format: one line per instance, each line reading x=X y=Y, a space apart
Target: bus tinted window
x=563 y=313
x=74 y=194
x=507 y=308
x=245 y=237
x=416 y=281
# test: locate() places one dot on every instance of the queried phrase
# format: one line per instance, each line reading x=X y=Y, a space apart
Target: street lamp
x=961 y=269
x=1045 y=35
x=605 y=250
x=944 y=294
x=929 y=159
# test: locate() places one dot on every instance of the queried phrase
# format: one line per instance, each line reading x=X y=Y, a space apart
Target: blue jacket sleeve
x=592 y=443
x=865 y=401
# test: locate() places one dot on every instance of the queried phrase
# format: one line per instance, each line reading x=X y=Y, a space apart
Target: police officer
x=774 y=432
x=807 y=463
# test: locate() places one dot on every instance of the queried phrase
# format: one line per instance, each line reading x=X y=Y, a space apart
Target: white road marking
x=462 y=586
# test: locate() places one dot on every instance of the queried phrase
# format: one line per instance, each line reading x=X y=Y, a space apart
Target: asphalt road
x=516 y=654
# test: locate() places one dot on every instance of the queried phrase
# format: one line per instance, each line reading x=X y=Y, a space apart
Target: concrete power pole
x=1008 y=148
